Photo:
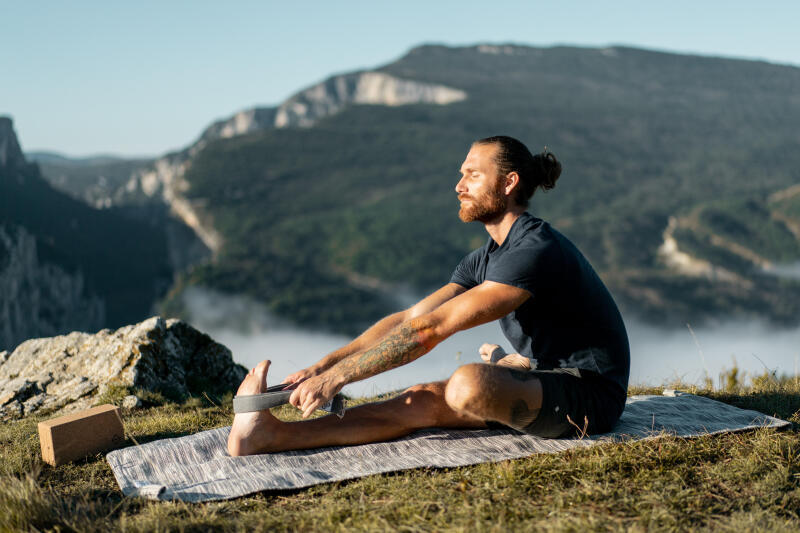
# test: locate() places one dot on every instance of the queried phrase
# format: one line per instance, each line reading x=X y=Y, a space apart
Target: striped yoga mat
x=197 y=468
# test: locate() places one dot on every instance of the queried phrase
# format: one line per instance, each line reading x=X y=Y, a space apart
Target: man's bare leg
x=495 y=392
x=418 y=407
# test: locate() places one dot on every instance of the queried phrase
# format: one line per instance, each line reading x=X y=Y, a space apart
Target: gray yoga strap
x=276 y=396
x=259 y=402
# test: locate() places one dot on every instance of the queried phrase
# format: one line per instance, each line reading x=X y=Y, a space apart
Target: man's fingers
x=292 y=381
x=311 y=408
x=294 y=399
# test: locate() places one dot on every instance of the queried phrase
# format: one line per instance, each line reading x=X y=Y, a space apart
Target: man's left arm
x=411 y=340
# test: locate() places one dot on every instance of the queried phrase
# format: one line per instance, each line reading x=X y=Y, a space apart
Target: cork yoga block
x=76 y=435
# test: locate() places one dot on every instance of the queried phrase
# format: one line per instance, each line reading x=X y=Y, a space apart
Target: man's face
x=480 y=188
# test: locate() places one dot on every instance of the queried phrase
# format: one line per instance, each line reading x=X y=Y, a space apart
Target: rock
x=68 y=372
x=131 y=401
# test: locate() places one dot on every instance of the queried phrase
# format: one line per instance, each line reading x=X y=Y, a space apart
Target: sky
x=143 y=78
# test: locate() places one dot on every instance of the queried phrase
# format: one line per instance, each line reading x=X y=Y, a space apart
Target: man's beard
x=486 y=207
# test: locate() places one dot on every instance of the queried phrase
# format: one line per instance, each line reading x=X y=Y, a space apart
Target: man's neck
x=498 y=228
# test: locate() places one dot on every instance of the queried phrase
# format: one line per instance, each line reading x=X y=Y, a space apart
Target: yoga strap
x=266 y=400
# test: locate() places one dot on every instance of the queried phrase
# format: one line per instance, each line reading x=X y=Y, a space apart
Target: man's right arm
x=378 y=330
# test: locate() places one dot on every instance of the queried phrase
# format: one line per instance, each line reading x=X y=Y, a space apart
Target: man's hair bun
x=550 y=169
x=535 y=171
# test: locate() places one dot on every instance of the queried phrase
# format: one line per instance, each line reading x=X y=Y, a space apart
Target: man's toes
x=261 y=372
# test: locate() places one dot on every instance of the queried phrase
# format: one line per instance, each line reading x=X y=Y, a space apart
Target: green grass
x=734 y=482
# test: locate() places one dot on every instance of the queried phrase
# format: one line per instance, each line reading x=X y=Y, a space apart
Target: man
x=570 y=375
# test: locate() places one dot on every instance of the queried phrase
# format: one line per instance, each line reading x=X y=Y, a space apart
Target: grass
x=734 y=482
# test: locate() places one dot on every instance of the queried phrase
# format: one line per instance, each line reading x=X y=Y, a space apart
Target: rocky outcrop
x=66 y=373
x=375 y=88
x=308 y=106
x=10 y=151
x=243 y=122
x=165 y=182
x=38 y=298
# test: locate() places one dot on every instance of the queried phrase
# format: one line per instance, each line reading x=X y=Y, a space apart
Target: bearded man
x=570 y=374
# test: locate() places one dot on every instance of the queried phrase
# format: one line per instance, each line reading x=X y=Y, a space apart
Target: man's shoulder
x=537 y=235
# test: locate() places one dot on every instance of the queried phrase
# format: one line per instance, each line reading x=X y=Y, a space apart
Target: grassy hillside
x=307 y=215
x=735 y=482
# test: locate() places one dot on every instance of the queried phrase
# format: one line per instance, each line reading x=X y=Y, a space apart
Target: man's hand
x=315 y=392
x=300 y=376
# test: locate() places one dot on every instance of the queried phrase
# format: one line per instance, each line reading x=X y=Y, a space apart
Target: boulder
x=68 y=372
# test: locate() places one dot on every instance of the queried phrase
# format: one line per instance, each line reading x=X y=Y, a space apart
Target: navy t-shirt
x=571 y=320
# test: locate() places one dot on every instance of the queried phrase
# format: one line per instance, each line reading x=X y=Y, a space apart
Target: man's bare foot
x=515 y=360
x=254 y=432
x=491 y=353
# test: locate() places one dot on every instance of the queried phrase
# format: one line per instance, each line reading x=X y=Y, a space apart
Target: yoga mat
x=197 y=468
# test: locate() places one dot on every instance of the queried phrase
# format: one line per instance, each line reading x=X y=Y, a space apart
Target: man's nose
x=460 y=186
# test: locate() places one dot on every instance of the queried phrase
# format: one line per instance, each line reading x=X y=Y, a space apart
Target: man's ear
x=512 y=182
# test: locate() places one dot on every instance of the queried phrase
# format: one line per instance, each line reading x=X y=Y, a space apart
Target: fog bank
x=658 y=356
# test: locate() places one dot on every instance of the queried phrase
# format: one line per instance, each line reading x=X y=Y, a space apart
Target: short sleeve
x=467 y=272
x=529 y=267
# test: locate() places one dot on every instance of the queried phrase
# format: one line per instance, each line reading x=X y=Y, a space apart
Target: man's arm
x=377 y=331
x=412 y=339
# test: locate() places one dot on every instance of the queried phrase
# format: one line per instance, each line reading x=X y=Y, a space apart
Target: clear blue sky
x=145 y=77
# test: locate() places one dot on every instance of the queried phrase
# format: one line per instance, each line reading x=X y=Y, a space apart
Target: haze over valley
x=659 y=356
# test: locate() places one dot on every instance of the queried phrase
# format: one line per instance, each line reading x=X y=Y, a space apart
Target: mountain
x=679 y=181
x=64 y=265
x=91 y=179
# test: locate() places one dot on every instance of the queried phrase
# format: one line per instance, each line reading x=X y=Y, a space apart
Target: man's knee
x=426 y=400
x=424 y=393
x=465 y=391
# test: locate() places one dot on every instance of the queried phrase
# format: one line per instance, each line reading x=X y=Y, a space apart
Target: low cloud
x=658 y=355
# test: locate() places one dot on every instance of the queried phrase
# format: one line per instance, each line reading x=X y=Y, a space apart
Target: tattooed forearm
x=404 y=344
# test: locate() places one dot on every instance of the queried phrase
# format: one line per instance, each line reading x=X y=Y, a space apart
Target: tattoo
x=398 y=348
x=521 y=416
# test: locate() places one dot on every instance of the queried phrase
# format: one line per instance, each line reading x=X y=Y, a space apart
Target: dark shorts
x=575 y=401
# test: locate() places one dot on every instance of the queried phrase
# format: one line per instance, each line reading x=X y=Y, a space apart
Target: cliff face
x=40 y=299
x=310 y=105
x=374 y=88
x=10 y=151
x=64 y=265
x=35 y=298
